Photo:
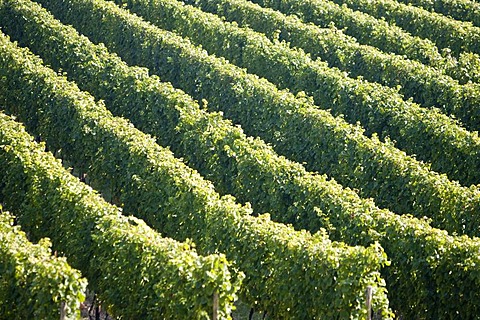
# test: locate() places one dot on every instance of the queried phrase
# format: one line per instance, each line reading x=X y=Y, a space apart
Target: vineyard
x=308 y=159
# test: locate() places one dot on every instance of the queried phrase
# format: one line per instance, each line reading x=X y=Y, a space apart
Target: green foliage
x=33 y=283
x=251 y=171
x=179 y=283
x=290 y=274
x=430 y=135
x=455 y=35
x=464 y=10
x=379 y=109
x=368 y=30
x=330 y=145
x=146 y=276
x=414 y=247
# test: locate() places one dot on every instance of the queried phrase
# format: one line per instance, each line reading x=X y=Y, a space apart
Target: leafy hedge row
x=330 y=88
x=293 y=126
x=464 y=10
x=427 y=85
x=251 y=170
x=445 y=32
x=378 y=108
x=432 y=135
x=388 y=38
x=33 y=283
x=290 y=274
x=137 y=273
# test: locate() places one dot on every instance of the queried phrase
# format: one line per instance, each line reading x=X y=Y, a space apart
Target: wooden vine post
x=368 y=302
x=63 y=310
x=215 y=306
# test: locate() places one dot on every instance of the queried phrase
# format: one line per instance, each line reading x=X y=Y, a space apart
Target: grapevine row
x=338 y=49
x=49 y=200
x=34 y=283
x=323 y=277
x=464 y=10
x=250 y=169
x=368 y=30
x=293 y=126
x=445 y=32
x=417 y=130
x=378 y=108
